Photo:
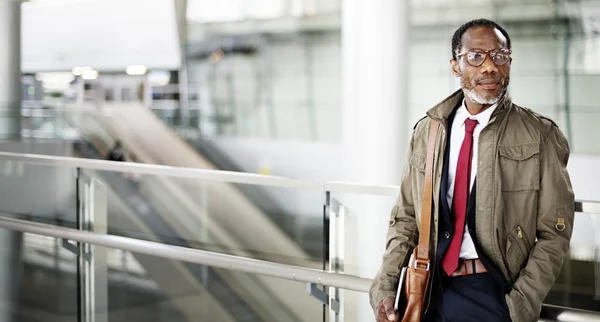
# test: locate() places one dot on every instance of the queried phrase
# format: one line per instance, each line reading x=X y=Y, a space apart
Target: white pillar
x=375 y=109
x=184 y=96
x=10 y=128
x=10 y=65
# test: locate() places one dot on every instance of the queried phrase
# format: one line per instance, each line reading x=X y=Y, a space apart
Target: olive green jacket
x=524 y=202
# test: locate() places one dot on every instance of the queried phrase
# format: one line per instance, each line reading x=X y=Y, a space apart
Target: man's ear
x=455 y=68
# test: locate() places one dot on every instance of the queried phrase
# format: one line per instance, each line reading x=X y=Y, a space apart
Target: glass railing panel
x=54 y=284
x=176 y=211
x=45 y=277
x=142 y=287
x=39 y=193
x=41 y=121
x=297 y=214
x=219 y=217
x=356 y=215
x=351 y=244
x=577 y=287
x=583 y=129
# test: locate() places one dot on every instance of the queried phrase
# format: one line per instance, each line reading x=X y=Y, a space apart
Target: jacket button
x=447 y=234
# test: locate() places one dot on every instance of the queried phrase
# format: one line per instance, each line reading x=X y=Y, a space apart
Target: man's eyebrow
x=481 y=48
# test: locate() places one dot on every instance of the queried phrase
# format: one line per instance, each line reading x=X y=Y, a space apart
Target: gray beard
x=476 y=98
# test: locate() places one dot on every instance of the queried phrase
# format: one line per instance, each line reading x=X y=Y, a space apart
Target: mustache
x=496 y=78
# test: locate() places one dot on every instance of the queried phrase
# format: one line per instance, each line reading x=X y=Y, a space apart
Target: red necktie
x=462 y=181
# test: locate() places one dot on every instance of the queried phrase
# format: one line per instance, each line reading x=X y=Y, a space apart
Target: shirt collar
x=482 y=118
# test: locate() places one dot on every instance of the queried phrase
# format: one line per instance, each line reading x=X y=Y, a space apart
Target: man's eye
x=475 y=56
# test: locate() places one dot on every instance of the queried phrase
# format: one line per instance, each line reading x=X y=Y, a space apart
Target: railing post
x=334 y=219
x=92 y=260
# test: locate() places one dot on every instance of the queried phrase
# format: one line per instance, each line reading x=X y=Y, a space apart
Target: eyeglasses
x=476 y=57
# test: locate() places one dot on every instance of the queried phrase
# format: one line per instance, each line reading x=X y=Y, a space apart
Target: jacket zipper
x=496 y=245
x=522 y=236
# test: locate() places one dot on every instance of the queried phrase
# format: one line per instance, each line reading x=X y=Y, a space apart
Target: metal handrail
x=201 y=174
x=228 y=176
x=587 y=206
x=242 y=264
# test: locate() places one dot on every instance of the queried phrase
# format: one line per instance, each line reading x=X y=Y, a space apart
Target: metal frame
x=92 y=261
x=335 y=212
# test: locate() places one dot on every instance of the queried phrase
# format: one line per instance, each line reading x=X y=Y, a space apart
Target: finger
x=381 y=317
x=388 y=305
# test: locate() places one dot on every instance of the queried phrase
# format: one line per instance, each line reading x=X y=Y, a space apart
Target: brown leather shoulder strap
x=427 y=202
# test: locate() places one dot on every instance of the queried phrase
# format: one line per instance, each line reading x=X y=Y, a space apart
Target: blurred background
x=321 y=90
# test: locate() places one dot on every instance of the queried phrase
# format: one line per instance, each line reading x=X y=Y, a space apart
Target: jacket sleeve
x=401 y=238
x=555 y=204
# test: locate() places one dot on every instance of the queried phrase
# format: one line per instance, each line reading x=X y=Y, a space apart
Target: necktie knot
x=470 y=125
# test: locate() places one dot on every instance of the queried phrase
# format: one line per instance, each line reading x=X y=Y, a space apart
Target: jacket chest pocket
x=520 y=167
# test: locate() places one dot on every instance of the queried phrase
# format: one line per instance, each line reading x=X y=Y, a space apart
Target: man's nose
x=488 y=66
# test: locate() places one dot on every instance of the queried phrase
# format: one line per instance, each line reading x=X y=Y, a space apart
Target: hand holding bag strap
x=427 y=202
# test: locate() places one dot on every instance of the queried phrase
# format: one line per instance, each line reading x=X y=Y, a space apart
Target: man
x=503 y=205
x=116 y=153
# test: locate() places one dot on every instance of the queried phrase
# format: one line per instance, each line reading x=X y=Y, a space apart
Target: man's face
x=484 y=84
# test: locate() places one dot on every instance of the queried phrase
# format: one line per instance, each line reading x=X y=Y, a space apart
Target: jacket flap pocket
x=519 y=152
x=417 y=160
x=516 y=251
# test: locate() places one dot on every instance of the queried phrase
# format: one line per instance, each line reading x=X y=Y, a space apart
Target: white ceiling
x=202 y=11
x=107 y=35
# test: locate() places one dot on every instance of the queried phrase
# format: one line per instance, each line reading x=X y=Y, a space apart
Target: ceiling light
x=77 y=71
x=89 y=74
x=136 y=70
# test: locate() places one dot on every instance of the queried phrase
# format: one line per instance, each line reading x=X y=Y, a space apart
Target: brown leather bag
x=417 y=273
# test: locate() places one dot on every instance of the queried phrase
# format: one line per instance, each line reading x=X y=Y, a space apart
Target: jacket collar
x=442 y=111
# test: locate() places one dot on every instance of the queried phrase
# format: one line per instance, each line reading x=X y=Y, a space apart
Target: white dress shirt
x=467 y=248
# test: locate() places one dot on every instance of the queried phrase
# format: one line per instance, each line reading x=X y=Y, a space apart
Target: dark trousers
x=472 y=298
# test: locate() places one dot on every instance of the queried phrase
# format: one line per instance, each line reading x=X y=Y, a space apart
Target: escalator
x=307 y=231
x=165 y=209
x=310 y=228
x=136 y=212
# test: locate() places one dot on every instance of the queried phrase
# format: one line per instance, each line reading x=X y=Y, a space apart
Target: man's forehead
x=483 y=38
